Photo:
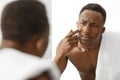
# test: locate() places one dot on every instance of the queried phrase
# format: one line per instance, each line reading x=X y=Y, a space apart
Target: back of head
x=23 y=19
x=95 y=7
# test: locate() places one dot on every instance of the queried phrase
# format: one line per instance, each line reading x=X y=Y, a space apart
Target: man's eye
x=83 y=23
x=94 y=25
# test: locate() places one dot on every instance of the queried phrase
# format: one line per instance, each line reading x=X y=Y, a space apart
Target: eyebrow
x=89 y=22
x=83 y=20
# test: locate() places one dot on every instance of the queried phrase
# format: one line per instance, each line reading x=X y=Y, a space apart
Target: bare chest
x=84 y=62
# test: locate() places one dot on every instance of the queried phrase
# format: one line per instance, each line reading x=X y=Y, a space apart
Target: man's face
x=91 y=26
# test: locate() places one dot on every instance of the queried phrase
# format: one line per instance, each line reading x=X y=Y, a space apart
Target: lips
x=84 y=37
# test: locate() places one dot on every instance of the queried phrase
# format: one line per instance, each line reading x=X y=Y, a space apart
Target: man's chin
x=85 y=42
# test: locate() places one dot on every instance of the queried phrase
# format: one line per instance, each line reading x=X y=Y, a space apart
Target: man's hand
x=64 y=47
x=69 y=42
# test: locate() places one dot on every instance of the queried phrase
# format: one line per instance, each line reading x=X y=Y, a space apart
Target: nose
x=87 y=29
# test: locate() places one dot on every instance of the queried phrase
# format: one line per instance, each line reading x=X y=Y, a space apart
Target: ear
x=103 y=29
x=39 y=47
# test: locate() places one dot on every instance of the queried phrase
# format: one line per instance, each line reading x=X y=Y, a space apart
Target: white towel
x=17 y=65
x=108 y=65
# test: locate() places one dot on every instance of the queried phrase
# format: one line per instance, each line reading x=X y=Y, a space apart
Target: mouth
x=84 y=37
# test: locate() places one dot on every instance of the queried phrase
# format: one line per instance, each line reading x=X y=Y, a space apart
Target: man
x=25 y=31
x=90 y=44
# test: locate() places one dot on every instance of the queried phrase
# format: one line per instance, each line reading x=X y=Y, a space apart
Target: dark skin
x=85 y=62
x=85 y=52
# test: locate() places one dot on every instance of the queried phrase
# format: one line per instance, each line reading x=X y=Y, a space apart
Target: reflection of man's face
x=91 y=25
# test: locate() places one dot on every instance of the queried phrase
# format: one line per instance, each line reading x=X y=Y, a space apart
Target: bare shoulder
x=79 y=59
x=75 y=54
x=74 y=51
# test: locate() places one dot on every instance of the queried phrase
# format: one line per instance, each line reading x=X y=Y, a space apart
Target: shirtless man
x=82 y=49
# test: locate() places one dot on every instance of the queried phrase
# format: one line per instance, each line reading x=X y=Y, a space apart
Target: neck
x=10 y=44
x=90 y=47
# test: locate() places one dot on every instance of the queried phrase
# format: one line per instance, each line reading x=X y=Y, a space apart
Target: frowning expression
x=90 y=24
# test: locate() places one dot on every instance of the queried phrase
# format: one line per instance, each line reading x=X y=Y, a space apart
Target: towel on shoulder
x=108 y=65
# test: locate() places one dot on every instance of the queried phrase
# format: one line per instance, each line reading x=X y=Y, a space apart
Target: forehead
x=91 y=16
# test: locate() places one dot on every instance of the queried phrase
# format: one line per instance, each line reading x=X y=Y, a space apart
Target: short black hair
x=23 y=19
x=95 y=7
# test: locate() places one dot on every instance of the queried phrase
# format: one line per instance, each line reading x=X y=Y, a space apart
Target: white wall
x=64 y=17
x=47 y=3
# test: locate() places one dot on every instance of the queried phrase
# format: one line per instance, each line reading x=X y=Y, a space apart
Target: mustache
x=84 y=35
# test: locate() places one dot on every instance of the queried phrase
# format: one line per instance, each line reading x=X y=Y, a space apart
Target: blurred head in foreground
x=25 y=26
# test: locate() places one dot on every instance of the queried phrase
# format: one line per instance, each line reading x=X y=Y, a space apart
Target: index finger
x=71 y=33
